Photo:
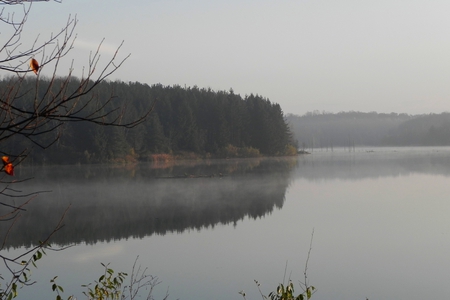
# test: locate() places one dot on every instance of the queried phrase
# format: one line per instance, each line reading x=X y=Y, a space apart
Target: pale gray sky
x=383 y=55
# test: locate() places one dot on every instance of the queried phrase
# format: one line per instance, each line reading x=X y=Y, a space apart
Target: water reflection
x=373 y=163
x=380 y=220
x=110 y=203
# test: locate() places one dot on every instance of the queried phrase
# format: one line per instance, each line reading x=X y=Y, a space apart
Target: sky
x=326 y=55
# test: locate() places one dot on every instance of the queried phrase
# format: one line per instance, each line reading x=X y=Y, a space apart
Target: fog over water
x=379 y=216
x=142 y=200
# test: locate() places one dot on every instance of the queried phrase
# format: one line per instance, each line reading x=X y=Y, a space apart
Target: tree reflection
x=110 y=203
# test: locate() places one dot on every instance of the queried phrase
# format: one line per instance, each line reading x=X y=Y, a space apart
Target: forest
x=186 y=122
x=350 y=129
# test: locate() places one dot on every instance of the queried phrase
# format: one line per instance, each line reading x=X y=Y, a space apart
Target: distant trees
x=349 y=129
x=344 y=129
x=421 y=130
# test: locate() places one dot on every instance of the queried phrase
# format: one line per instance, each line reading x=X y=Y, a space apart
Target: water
x=379 y=215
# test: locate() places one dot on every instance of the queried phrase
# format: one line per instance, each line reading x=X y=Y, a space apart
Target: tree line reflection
x=118 y=202
x=111 y=202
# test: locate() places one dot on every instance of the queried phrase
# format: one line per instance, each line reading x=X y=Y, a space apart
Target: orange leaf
x=5 y=160
x=34 y=65
x=9 y=169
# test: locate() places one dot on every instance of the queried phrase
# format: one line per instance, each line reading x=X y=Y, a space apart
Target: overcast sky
x=326 y=55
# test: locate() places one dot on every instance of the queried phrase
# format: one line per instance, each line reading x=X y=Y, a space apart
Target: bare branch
x=37 y=107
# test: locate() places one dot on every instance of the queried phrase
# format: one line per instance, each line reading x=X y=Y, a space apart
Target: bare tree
x=58 y=100
x=54 y=102
x=32 y=107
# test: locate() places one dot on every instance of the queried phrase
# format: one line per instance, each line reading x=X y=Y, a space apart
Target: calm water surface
x=379 y=215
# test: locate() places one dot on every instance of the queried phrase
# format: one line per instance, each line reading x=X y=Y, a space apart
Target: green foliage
x=58 y=289
x=108 y=286
x=20 y=274
x=287 y=293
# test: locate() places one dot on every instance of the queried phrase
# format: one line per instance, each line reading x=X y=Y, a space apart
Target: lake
x=209 y=229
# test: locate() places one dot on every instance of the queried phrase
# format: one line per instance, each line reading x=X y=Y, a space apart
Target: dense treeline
x=350 y=129
x=184 y=120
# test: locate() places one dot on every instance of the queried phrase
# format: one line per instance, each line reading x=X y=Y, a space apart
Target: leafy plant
x=19 y=268
x=58 y=289
x=108 y=286
x=287 y=293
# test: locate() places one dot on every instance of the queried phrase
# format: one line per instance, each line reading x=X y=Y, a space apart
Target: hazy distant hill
x=421 y=130
x=349 y=129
